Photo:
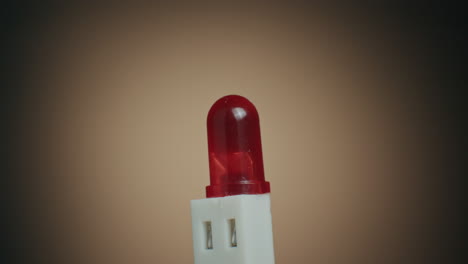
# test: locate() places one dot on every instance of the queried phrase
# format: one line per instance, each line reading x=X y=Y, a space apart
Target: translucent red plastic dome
x=235 y=149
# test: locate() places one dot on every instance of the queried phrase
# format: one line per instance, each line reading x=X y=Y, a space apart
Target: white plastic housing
x=233 y=230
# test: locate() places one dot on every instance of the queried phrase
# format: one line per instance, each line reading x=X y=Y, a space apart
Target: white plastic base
x=233 y=230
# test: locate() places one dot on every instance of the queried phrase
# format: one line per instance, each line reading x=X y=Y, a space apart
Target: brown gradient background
x=115 y=143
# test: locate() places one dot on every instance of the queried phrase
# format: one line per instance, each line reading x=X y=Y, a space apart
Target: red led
x=235 y=149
